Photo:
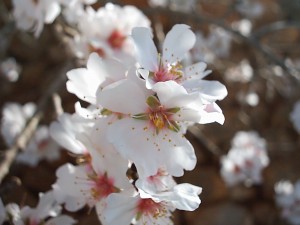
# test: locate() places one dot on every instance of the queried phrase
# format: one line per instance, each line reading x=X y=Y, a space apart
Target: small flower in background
x=111 y=40
x=288 y=199
x=32 y=15
x=243 y=72
x=14 y=119
x=250 y=98
x=10 y=69
x=47 y=212
x=244 y=26
x=41 y=146
x=245 y=160
x=295 y=116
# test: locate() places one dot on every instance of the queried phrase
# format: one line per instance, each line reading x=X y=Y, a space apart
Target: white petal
x=147 y=55
x=124 y=97
x=179 y=40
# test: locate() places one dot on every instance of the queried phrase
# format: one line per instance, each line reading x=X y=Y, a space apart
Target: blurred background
x=252 y=47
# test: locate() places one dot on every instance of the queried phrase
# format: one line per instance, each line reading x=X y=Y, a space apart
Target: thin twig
x=276 y=26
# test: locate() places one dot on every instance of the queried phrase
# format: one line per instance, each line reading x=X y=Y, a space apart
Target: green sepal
x=106 y=112
x=173 y=110
x=153 y=102
x=172 y=125
x=141 y=116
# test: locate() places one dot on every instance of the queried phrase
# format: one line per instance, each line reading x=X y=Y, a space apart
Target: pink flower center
x=149 y=207
x=116 y=39
x=103 y=186
x=172 y=73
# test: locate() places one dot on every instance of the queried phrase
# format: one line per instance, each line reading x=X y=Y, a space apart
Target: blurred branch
x=279 y=25
x=22 y=140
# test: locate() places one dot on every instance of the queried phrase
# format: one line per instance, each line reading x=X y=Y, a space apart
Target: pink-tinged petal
x=186 y=197
x=146 y=51
x=124 y=96
x=179 y=40
x=196 y=71
x=105 y=159
x=212 y=113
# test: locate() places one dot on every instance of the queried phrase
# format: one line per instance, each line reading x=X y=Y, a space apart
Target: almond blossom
x=41 y=146
x=149 y=127
x=128 y=207
x=245 y=160
x=288 y=198
x=31 y=15
x=106 y=32
x=92 y=182
x=46 y=212
x=166 y=67
x=14 y=119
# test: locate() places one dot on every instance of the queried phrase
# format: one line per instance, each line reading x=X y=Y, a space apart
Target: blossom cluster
x=132 y=136
x=245 y=160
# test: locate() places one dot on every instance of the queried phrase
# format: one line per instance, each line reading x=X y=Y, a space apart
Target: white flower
x=40 y=147
x=243 y=72
x=244 y=26
x=288 y=198
x=166 y=67
x=92 y=183
x=245 y=160
x=46 y=212
x=10 y=69
x=31 y=15
x=162 y=187
x=148 y=129
x=127 y=207
x=106 y=31
x=295 y=116
x=14 y=119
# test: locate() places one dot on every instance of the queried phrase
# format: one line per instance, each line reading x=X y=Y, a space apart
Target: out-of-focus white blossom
x=250 y=98
x=41 y=146
x=243 y=72
x=31 y=15
x=245 y=160
x=14 y=119
x=106 y=32
x=46 y=212
x=244 y=26
x=295 y=116
x=288 y=199
x=250 y=8
x=10 y=69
